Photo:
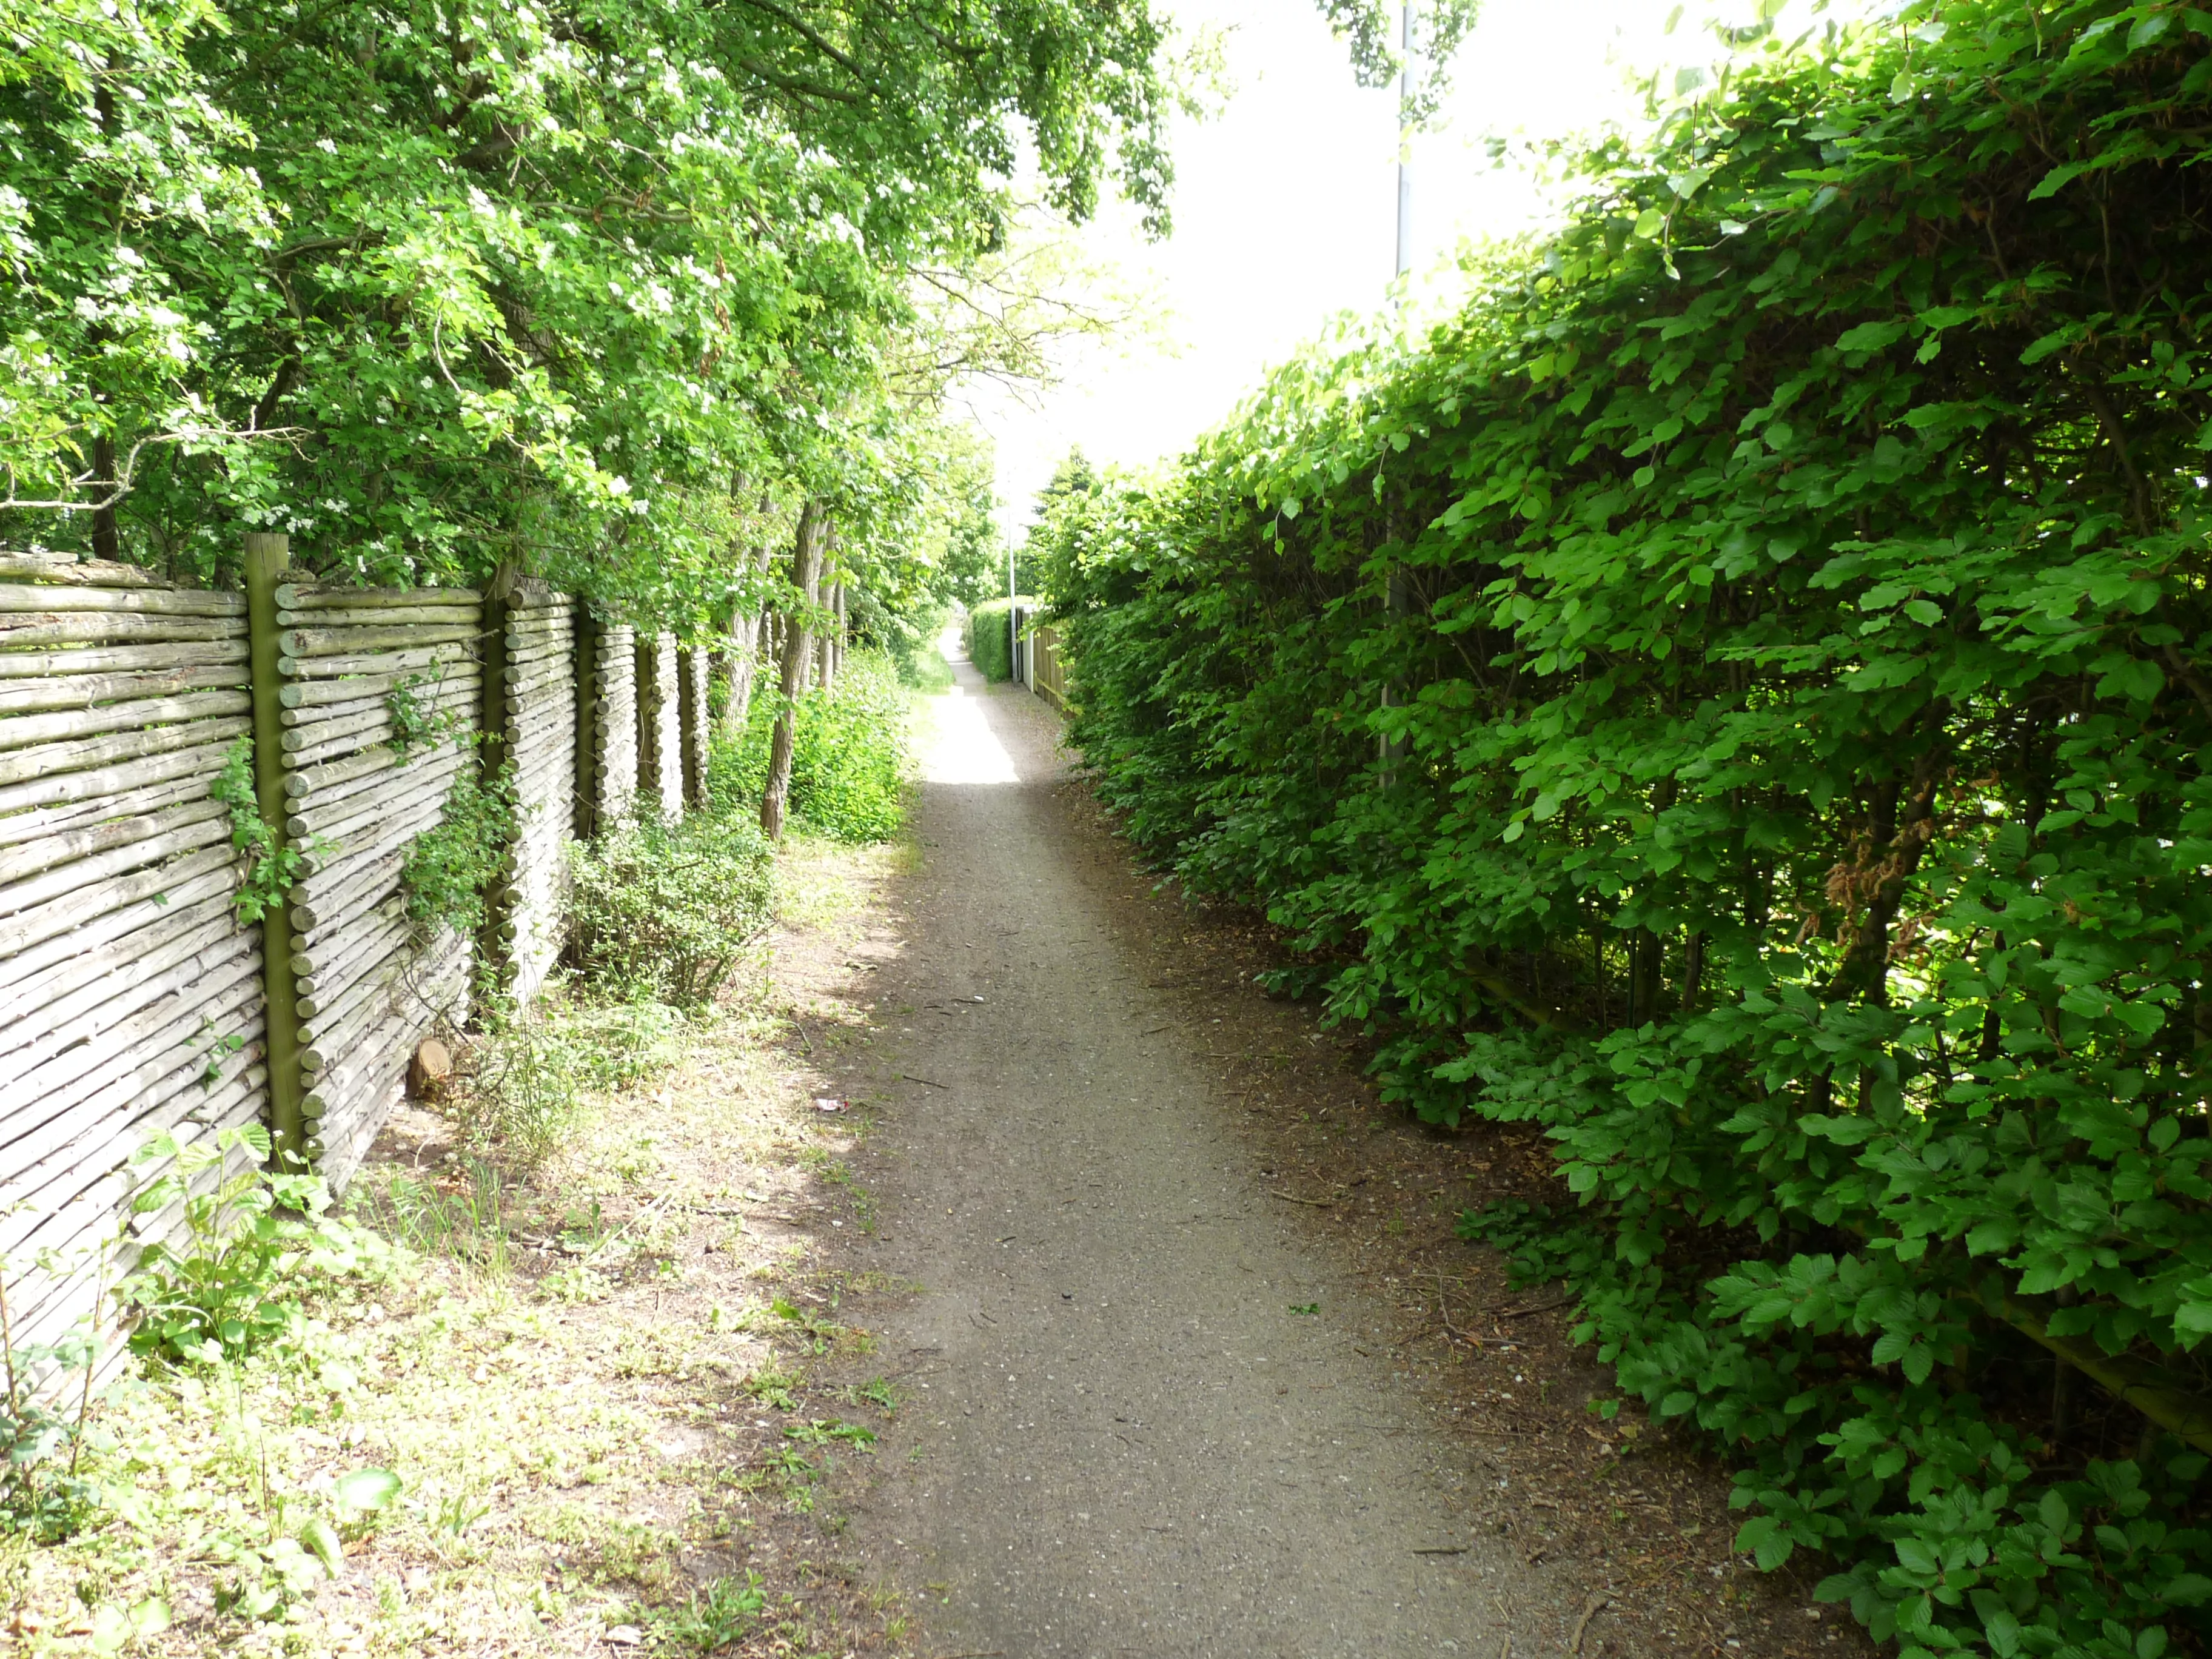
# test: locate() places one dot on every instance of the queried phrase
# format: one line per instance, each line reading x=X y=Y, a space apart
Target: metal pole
x=1013 y=626
x=1395 y=599
x=1405 y=139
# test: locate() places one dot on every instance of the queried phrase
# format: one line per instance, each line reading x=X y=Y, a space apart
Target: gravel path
x=1153 y=1416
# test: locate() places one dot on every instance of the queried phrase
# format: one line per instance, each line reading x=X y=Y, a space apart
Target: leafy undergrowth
x=570 y=1410
x=852 y=750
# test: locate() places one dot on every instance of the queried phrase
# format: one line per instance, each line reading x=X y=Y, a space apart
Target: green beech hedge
x=988 y=645
x=1797 y=701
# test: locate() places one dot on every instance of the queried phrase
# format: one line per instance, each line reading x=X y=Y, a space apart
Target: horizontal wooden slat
x=122 y=658
x=21 y=903
x=105 y=911
x=108 y=943
x=23 y=597
x=19 y=864
x=200 y=755
x=34 y=696
x=378 y=662
x=102 y=1006
x=381 y=616
x=18 y=827
x=299 y=596
x=333 y=814
x=178 y=1018
x=37 y=628
x=458 y=667
x=43 y=761
x=150 y=712
x=308 y=643
x=87 y=573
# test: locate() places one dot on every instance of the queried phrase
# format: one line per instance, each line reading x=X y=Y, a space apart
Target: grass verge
x=601 y=1399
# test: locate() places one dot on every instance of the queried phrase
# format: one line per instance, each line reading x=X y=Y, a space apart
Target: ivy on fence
x=450 y=867
x=267 y=870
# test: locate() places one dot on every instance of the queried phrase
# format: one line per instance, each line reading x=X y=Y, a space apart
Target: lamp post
x=1405 y=142
x=1394 y=585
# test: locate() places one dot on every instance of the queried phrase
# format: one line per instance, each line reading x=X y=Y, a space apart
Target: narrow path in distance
x=1149 y=1415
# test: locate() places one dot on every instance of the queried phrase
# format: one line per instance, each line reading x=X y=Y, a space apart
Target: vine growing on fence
x=450 y=867
x=418 y=723
x=1737 y=698
x=268 y=870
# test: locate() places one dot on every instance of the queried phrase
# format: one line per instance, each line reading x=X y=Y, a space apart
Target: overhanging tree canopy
x=425 y=285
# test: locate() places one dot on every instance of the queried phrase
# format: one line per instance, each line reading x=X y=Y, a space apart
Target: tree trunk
x=797 y=648
x=749 y=635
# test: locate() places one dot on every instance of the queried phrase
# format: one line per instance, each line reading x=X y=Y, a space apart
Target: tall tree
x=797 y=649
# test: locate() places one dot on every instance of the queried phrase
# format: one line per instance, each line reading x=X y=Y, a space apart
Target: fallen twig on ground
x=1533 y=1307
x=1599 y=1599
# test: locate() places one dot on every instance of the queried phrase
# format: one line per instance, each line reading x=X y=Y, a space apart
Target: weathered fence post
x=291 y=1135
x=585 y=819
x=661 y=758
x=691 y=668
x=645 y=657
x=494 y=958
x=539 y=728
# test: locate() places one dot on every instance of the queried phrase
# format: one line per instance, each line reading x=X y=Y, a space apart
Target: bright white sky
x=1285 y=207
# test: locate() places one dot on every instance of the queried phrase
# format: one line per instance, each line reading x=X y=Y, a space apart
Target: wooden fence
x=131 y=1001
x=1048 y=668
x=368 y=988
x=133 y=998
x=1038 y=663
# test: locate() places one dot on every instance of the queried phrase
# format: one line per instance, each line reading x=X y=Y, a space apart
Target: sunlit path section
x=961 y=747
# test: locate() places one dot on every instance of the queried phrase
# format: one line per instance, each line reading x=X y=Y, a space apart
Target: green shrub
x=989 y=647
x=1737 y=697
x=667 y=912
x=850 y=748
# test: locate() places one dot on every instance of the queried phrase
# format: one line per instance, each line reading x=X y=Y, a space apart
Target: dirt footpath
x=1150 y=1416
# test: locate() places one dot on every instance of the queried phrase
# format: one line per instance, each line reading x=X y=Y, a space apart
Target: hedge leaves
x=1737 y=696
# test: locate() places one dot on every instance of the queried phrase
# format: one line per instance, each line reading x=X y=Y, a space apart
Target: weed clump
x=534 y=1070
x=227 y=1284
